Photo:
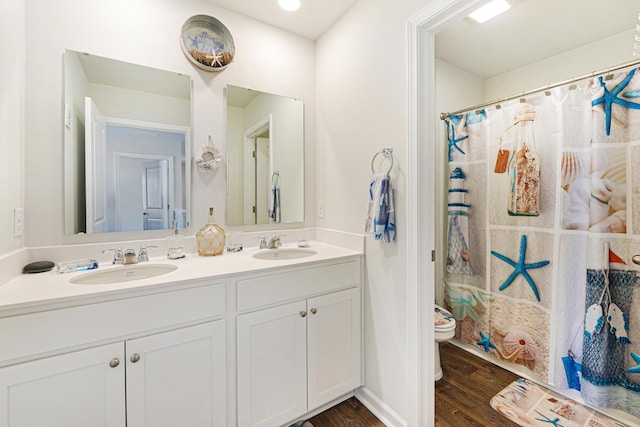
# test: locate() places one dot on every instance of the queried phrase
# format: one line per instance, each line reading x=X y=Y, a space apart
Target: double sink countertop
x=49 y=290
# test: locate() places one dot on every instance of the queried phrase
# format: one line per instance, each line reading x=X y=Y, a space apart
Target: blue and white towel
x=381 y=217
x=274 y=204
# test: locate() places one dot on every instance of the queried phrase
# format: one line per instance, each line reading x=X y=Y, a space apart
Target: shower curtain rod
x=541 y=89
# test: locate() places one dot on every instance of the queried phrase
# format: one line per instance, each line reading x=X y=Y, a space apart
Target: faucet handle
x=143 y=254
x=118 y=257
x=263 y=241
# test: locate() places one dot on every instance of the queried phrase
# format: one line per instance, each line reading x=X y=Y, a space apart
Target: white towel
x=381 y=217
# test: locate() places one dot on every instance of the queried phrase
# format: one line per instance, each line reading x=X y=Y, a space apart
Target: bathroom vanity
x=219 y=341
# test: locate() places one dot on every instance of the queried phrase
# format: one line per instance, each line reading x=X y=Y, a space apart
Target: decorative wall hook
x=207 y=157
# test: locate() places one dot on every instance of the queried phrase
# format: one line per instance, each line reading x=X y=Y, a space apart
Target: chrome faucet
x=143 y=254
x=274 y=242
x=130 y=257
x=118 y=257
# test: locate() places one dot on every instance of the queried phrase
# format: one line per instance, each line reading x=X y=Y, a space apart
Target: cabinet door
x=272 y=369
x=334 y=346
x=177 y=378
x=78 y=389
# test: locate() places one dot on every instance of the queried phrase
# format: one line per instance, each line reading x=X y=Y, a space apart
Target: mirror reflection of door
x=155 y=206
x=257 y=172
x=95 y=181
x=132 y=181
x=262 y=178
x=142 y=193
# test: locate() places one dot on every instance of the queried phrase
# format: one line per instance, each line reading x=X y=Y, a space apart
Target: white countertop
x=49 y=290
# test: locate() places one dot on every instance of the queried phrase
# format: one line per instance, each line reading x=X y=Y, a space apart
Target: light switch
x=18 y=222
x=321 y=209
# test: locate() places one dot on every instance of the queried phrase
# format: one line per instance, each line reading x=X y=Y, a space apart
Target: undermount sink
x=123 y=274
x=283 y=254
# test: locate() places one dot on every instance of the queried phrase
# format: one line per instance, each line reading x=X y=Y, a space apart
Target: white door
x=155 y=201
x=334 y=346
x=177 y=378
x=272 y=370
x=95 y=182
x=78 y=389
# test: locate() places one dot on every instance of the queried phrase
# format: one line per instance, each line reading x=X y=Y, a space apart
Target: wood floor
x=350 y=413
x=462 y=396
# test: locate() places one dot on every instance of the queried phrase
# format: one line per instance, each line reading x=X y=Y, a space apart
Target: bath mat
x=529 y=404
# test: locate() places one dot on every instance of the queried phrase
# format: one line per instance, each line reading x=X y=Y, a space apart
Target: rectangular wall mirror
x=265 y=158
x=127 y=146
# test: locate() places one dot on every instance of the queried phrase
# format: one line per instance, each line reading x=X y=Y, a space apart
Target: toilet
x=445 y=329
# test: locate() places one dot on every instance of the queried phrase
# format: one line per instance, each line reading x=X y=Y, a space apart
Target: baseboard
x=381 y=410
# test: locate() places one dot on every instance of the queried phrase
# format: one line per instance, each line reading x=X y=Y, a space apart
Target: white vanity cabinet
x=72 y=389
x=296 y=356
x=175 y=376
x=168 y=379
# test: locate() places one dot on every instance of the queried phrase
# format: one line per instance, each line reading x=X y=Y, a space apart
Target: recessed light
x=490 y=10
x=289 y=5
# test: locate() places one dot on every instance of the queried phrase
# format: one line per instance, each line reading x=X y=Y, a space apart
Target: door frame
x=252 y=132
x=142 y=157
x=425 y=185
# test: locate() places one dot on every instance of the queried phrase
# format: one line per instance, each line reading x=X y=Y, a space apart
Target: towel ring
x=386 y=152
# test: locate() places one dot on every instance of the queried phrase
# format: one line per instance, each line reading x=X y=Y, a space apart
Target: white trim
x=422 y=197
x=381 y=410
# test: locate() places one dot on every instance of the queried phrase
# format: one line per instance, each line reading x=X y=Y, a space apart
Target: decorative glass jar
x=210 y=238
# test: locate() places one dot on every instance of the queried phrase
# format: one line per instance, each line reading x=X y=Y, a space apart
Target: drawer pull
x=135 y=357
x=314 y=310
x=114 y=362
x=303 y=313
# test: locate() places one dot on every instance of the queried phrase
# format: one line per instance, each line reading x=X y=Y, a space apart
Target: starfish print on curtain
x=611 y=97
x=520 y=267
x=453 y=141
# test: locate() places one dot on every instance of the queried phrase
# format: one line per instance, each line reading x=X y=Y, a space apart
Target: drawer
x=55 y=330
x=268 y=290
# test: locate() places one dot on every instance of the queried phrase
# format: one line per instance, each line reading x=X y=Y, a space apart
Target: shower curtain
x=554 y=288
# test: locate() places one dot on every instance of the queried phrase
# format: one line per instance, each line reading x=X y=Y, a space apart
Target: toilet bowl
x=444 y=330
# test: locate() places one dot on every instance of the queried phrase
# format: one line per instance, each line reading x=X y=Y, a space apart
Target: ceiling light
x=289 y=4
x=489 y=10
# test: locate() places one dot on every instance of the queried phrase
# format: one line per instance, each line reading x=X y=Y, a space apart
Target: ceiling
x=312 y=19
x=529 y=32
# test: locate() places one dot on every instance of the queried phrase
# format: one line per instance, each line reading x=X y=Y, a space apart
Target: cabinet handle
x=114 y=362
x=314 y=310
x=303 y=313
x=135 y=357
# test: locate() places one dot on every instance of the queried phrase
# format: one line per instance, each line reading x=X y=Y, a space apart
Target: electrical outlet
x=18 y=222
x=321 y=209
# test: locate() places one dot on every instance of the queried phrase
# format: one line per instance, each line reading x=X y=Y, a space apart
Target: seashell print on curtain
x=529 y=289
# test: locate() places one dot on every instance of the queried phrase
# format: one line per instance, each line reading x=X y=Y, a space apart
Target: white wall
x=586 y=59
x=137 y=105
x=236 y=184
x=12 y=118
x=362 y=107
x=287 y=117
x=145 y=32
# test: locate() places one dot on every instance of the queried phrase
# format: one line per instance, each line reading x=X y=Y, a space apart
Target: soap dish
x=77 y=265
x=38 y=267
